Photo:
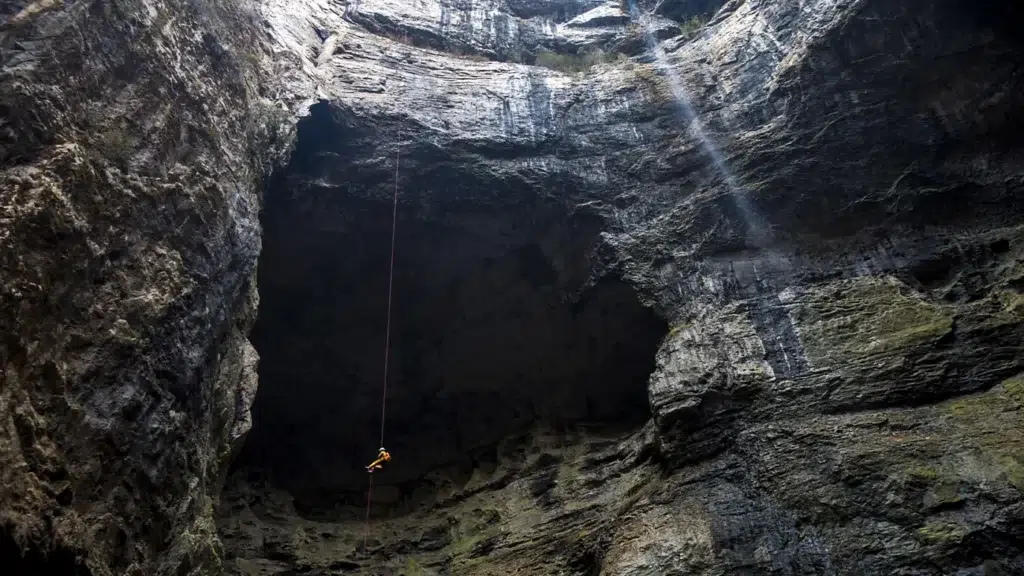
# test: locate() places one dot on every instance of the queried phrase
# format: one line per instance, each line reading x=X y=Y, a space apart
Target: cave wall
x=132 y=141
x=837 y=393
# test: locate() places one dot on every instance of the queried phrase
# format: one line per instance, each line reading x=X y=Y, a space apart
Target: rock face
x=816 y=196
x=741 y=299
x=132 y=139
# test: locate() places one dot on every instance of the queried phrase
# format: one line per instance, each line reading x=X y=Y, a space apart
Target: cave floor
x=545 y=499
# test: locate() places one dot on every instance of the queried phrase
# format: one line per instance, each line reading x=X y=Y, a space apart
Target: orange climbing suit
x=377 y=464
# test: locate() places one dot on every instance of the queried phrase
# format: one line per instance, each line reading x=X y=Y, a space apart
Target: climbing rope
x=387 y=346
x=366 y=527
x=391 y=282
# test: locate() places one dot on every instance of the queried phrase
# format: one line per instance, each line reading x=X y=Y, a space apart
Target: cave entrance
x=491 y=336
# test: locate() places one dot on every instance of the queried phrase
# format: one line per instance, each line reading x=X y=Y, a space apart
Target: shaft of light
x=757 y=233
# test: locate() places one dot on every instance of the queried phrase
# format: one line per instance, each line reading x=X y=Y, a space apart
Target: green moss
x=472 y=530
x=568 y=475
x=929 y=328
x=849 y=320
x=412 y=568
x=464 y=545
x=1014 y=388
x=575 y=63
x=678 y=328
x=941 y=532
x=1013 y=466
x=1006 y=396
x=994 y=422
x=1011 y=300
x=919 y=472
x=652 y=84
x=691 y=27
x=942 y=494
x=976 y=406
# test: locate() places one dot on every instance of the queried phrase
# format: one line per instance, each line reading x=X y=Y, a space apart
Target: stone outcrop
x=133 y=136
x=803 y=214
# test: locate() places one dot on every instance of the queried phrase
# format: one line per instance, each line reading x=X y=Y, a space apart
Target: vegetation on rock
x=575 y=63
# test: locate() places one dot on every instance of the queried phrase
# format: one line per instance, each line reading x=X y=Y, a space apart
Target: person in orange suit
x=377 y=464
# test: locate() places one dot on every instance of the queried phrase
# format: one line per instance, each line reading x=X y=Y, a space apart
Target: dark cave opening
x=492 y=338
x=33 y=561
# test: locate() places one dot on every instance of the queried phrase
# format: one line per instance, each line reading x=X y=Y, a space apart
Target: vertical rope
x=391 y=281
x=366 y=528
x=387 y=349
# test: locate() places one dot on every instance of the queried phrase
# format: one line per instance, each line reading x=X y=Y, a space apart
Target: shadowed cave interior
x=15 y=559
x=492 y=339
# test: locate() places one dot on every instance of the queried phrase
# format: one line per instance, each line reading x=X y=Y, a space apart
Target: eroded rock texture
x=743 y=299
x=834 y=241
x=132 y=139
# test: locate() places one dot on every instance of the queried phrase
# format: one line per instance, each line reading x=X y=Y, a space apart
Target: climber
x=377 y=464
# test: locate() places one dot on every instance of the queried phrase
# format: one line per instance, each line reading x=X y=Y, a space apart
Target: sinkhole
x=492 y=334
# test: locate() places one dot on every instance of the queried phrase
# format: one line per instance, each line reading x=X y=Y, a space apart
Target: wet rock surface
x=838 y=388
x=130 y=150
x=824 y=265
